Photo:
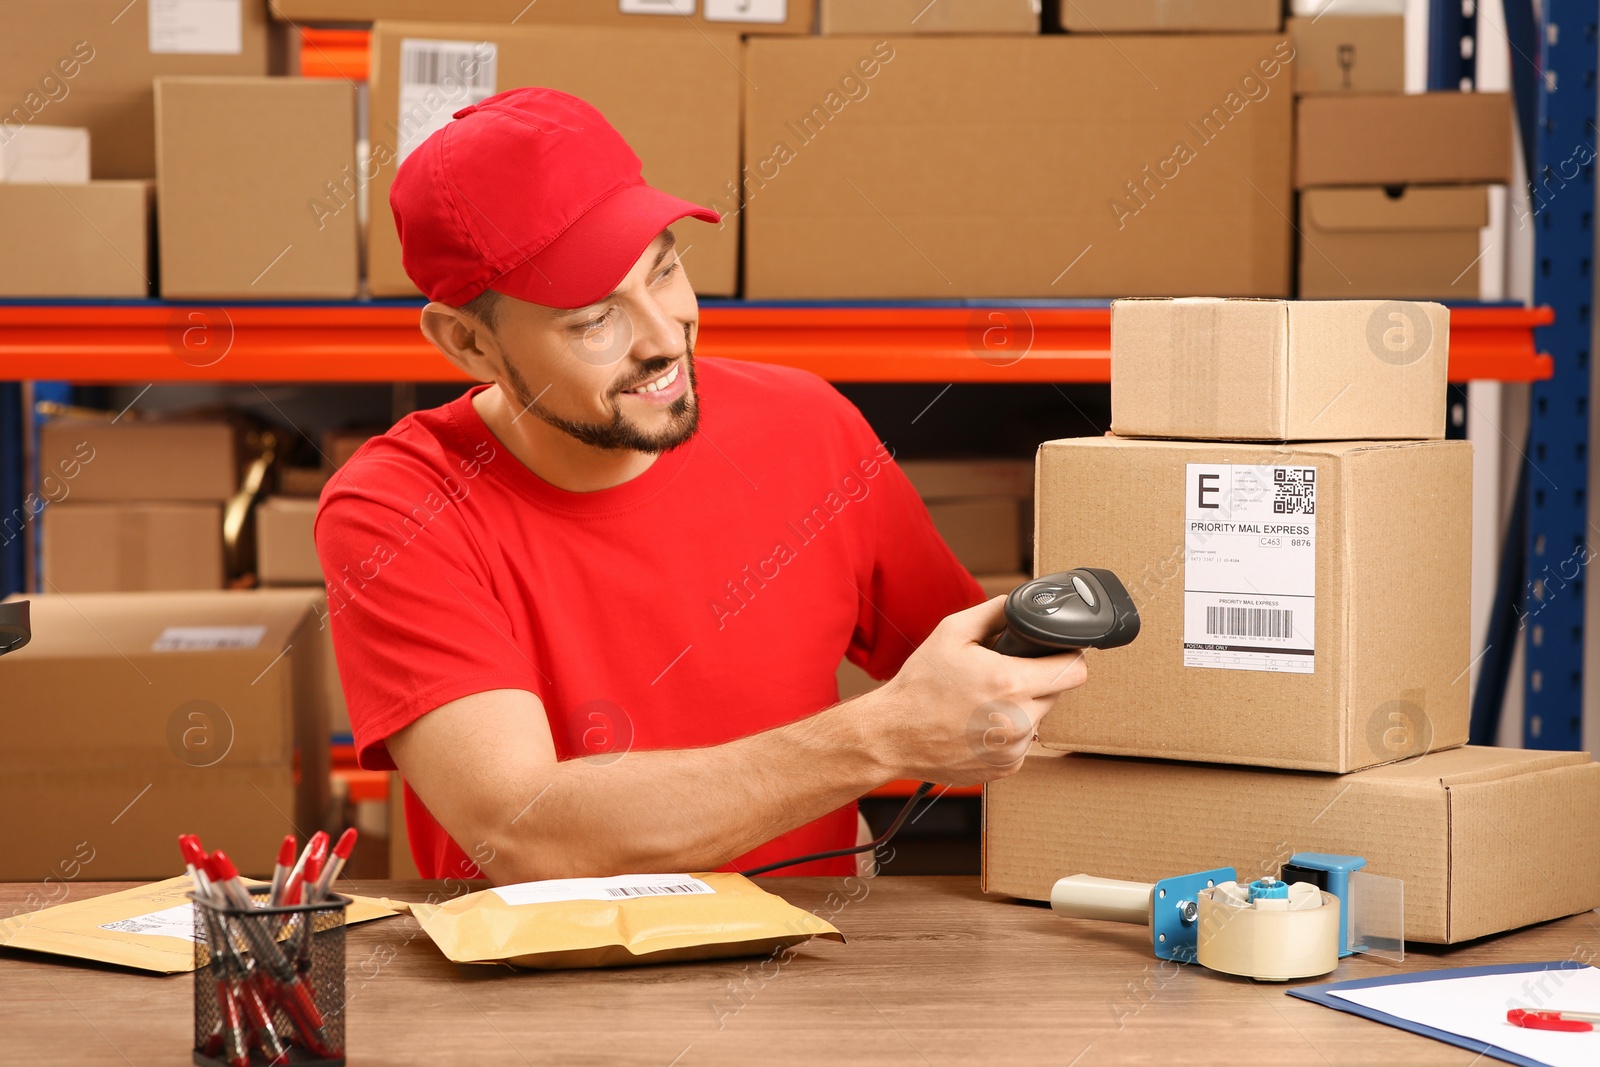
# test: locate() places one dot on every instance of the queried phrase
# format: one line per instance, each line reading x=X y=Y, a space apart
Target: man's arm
x=486 y=766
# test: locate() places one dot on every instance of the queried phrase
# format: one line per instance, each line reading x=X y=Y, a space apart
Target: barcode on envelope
x=1249 y=622
x=653 y=890
x=448 y=64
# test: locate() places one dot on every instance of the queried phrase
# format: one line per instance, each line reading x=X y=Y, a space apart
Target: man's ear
x=464 y=340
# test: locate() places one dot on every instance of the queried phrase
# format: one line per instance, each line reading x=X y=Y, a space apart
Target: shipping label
x=776 y=11
x=208 y=638
x=437 y=79
x=196 y=27
x=1250 y=567
x=623 y=887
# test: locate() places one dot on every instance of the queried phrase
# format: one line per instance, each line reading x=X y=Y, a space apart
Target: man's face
x=618 y=374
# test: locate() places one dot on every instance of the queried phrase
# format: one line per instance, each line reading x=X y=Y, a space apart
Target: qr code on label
x=1294 y=490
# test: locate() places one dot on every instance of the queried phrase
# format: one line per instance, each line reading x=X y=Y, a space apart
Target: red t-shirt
x=705 y=600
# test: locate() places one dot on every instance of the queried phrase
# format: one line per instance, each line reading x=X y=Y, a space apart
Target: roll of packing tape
x=1083 y=896
x=1288 y=938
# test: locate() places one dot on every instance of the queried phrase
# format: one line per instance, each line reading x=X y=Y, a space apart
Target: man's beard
x=619 y=433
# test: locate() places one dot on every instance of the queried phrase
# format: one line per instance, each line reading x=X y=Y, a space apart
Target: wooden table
x=934 y=973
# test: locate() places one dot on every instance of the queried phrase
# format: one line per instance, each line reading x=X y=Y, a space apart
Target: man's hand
x=960 y=714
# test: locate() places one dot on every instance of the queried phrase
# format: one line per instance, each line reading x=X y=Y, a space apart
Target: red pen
x=316 y=846
x=335 y=864
x=1569 y=1021
x=280 y=872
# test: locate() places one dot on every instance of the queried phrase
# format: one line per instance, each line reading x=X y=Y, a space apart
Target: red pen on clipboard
x=1574 y=1022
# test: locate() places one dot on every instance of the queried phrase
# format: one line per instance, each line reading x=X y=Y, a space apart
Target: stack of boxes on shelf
x=1393 y=188
x=1295 y=533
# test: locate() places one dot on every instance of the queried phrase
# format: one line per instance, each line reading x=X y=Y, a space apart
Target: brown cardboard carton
x=1061 y=170
x=1277 y=370
x=1402 y=139
x=1485 y=839
x=985 y=533
x=748 y=16
x=1170 y=16
x=1349 y=54
x=286 y=551
x=76 y=240
x=942 y=479
x=853 y=681
x=255 y=182
x=339 y=445
x=117 y=547
x=919 y=16
x=215 y=701
x=90 y=63
x=1301 y=606
x=93 y=459
x=1411 y=241
x=685 y=129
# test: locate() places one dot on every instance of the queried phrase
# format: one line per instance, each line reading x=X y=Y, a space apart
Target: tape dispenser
x=1299 y=924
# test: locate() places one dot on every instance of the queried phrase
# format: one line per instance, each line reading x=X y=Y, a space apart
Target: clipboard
x=1322 y=994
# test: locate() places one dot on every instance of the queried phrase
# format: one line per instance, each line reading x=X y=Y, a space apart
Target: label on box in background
x=171 y=922
x=208 y=638
x=659 y=7
x=621 y=887
x=196 y=27
x=1250 y=568
x=747 y=10
x=437 y=79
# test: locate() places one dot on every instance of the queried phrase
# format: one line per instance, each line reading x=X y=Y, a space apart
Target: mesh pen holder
x=269 y=983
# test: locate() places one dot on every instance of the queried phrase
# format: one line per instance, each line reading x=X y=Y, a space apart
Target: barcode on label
x=1250 y=622
x=652 y=890
x=1294 y=490
x=447 y=64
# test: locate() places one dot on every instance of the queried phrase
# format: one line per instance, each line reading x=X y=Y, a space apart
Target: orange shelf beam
x=158 y=342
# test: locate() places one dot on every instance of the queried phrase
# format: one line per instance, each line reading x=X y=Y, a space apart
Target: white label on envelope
x=172 y=922
x=196 y=27
x=747 y=10
x=208 y=638
x=437 y=79
x=622 y=887
x=1250 y=567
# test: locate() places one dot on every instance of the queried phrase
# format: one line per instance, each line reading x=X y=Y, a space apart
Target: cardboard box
x=1170 y=16
x=1300 y=606
x=1049 y=151
x=1349 y=54
x=302 y=481
x=286 y=551
x=943 y=479
x=985 y=533
x=1403 y=139
x=255 y=181
x=144 y=715
x=338 y=446
x=1485 y=839
x=749 y=16
x=76 y=241
x=90 y=63
x=1408 y=241
x=1275 y=370
x=685 y=130
x=58 y=154
x=117 y=548
x=95 y=459
x=853 y=681
x=919 y=16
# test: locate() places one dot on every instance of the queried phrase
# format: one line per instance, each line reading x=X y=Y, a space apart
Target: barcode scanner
x=1082 y=608
x=14 y=628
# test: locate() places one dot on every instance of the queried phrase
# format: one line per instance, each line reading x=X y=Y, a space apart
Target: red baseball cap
x=532 y=193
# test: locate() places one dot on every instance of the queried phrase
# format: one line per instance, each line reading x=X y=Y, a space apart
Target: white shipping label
x=747 y=10
x=656 y=7
x=1250 y=568
x=437 y=79
x=208 y=638
x=196 y=27
x=621 y=887
x=172 y=922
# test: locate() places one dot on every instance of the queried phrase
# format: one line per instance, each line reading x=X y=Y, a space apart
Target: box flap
x=1417 y=208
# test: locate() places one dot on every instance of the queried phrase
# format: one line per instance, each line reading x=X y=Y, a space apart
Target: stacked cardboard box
x=1296 y=535
x=155 y=714
x=1394 y=189
x=918 y=16
x=134 y=505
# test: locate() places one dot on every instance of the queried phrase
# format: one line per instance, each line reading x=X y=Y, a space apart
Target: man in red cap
x=592 y=609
